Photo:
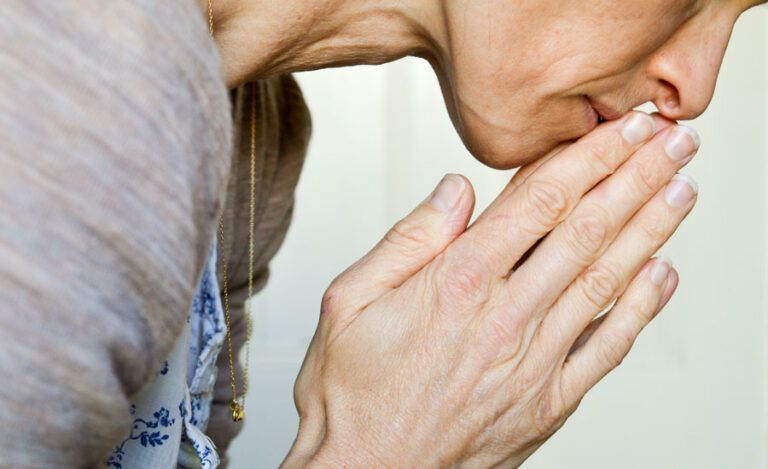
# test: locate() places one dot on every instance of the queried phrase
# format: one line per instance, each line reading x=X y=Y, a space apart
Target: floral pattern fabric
x=170 y=414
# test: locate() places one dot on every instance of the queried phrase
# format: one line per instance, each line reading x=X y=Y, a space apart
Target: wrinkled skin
x=430 y=353
x=449 y=345
x=515 y=78
x=519 y=77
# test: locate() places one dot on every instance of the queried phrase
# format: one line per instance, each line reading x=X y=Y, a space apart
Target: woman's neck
x=262 y=38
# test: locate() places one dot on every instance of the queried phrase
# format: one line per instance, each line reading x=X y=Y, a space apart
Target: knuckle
x=654 y=229
x=587 y=235
x=506 y=331
x=614 y=346
x=642 y=309
x=549 y=201
x=464 y=283
x=645 y=178
x=334 y=298
x=549 y=415
x=600 y=154
x=599 y=285
x=408 y=234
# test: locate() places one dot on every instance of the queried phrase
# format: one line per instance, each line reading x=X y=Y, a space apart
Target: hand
x=433 y=351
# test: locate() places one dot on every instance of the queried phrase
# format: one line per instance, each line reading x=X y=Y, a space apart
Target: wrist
x=315 y=448
x=347 y=456
x=308 y=441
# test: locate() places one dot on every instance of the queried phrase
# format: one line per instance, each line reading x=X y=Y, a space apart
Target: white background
x=693 y=392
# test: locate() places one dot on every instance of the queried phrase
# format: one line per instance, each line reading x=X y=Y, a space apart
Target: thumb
x=408 y=246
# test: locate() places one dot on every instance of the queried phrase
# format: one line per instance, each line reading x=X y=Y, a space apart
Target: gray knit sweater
x=116 y=145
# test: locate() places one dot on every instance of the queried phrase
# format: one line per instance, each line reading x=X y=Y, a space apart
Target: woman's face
x=521 y=77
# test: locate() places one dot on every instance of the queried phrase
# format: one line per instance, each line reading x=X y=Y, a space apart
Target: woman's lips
x=596 y=112
x=592 y=117
x=603 y=110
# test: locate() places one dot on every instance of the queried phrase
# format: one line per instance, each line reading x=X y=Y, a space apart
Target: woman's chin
x=503 y=152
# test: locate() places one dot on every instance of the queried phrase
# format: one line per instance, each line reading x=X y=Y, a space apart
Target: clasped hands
x=449 y=345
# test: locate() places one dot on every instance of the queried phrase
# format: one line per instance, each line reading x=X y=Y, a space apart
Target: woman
x=444 y=345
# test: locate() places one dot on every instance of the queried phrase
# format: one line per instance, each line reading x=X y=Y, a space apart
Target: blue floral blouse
x=170 y=414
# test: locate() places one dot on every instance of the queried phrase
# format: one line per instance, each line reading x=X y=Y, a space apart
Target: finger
x=669 y=289
x=597 y=287
x=610 y=343
x=520 y=217
x=409 y=245
x=588 y=231
x=522 y=174
x=588 y=332
x=661 y=121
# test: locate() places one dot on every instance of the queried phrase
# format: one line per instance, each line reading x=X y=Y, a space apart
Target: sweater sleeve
x=114 y=149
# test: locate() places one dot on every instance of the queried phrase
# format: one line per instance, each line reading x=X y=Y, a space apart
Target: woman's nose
x=684 y=71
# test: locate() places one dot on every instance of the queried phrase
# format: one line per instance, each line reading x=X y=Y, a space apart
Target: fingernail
x=660 y=271
x=681 y=190
x=447 y=193
x=682 y=143
x=639 y=128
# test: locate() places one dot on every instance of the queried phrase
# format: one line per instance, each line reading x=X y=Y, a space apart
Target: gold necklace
x=237 y=405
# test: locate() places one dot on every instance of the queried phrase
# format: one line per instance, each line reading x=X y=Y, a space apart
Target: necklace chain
x=237 y=405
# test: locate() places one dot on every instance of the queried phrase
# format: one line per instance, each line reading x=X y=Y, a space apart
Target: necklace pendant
x=238 y=413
